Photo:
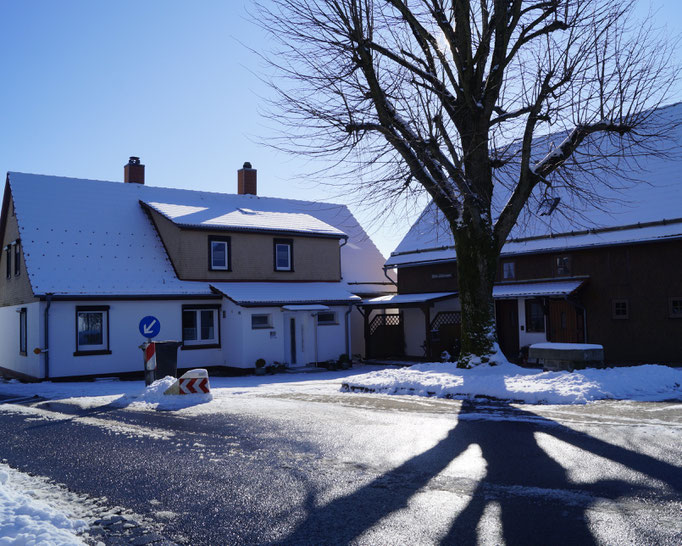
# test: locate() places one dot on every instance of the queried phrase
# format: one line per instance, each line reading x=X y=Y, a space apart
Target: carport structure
x=414 y=326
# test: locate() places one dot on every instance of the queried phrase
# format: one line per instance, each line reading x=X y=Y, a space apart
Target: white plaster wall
x=266 y=343
x=357 y=333
x=124 y=337
x=528 y=338
x=31 y=364
x=414 y=328
x=233 y=335
x=331 y=338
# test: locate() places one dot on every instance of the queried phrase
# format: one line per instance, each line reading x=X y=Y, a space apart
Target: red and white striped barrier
x=194 y=382
x=150 y=356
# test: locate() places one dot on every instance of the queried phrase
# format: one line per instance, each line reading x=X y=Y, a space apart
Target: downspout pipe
x=389 y=278
x=347 y=321
x=316 y=326
x=46 y=350
x=344 y=242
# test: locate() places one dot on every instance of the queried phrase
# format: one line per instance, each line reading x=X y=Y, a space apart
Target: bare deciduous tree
x=450 y=97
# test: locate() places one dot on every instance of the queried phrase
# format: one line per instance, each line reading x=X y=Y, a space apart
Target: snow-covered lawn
x=509 y=382
x=34 y=511
x=505 y=382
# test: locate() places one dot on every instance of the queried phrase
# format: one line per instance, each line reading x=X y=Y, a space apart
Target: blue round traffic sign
x=150 y=326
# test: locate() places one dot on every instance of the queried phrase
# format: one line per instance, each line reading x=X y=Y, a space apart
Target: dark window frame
x=219 y=239
x=267 y=326
x=23 y=331
x=105 y=331
x=565 y=268
x=619 y=315
x=513 y=271
x=8 y=256
x=17 y=260
x=290 y=244
x=529 y=326
x=330 y=322
x=199 y=307
x=671 y=308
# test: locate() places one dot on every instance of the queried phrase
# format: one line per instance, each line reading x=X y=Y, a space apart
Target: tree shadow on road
x=538 y=503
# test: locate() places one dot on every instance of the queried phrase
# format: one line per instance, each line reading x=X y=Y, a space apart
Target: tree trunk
x=477 y=257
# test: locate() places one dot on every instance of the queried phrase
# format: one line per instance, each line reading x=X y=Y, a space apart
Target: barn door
x=566 y=323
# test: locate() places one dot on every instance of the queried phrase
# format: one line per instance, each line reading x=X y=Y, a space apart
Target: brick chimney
x=246 y=180
x=133 y=171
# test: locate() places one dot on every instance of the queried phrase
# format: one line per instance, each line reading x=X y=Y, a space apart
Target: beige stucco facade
x=16 y=289
x=252 y=256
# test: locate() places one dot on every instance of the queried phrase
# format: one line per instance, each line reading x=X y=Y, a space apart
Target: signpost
x=150 y=326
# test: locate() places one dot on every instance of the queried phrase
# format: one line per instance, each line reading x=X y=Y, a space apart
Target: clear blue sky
x=85 y=84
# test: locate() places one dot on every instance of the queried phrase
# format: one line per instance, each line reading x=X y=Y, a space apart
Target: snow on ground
x=650 y=383
x=34 y=511
x=505 y=382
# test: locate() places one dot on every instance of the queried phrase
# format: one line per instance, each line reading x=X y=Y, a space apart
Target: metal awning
x=406 y=300
x=305 y=307
x=560 y=288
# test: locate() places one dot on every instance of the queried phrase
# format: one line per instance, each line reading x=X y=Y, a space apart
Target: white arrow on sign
x=148 y=328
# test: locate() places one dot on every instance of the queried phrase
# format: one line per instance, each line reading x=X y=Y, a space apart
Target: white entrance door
x=299 y=339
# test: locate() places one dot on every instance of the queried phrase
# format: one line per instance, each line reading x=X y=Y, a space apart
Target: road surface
x=363 y=469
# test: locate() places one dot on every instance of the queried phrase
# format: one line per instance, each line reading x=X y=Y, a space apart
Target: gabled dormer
x=245 y=239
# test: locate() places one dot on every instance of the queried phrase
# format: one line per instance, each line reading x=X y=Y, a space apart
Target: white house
x=235 y=277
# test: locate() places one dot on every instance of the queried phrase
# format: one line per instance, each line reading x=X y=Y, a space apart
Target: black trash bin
x=166 y=360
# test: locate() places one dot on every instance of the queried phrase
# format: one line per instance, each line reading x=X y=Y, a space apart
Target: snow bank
x=27 y=516
x=509 y=382
x=153 y=397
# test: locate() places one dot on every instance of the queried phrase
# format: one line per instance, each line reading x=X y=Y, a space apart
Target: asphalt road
x=367 y=469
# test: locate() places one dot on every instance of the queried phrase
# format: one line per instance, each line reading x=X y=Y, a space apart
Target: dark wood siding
x=647 y=275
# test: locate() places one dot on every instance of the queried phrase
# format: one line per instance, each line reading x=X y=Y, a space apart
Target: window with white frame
x=508 y=271
x=92 y=330
x=326 y=317
x=23 y=337
x=284 y=254
x=260 y=321
x=219 y=254
x=200 y=326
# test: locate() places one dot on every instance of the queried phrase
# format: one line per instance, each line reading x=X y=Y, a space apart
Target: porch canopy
x=558 y=288
x=278 y=294
x=406 y=300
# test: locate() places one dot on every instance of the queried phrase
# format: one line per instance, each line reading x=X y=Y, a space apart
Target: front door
x=507 y=315
x=566 y=322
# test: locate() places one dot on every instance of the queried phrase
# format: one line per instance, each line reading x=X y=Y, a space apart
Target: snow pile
x=153 y=397
x=510 y=382
x=29 y=516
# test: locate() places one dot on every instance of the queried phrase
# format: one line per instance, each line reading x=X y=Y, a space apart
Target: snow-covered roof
x=243 y=219
x=277 y=293
x=90 y=237
x=629 y=212
x=406 y=299
x=539 y=289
